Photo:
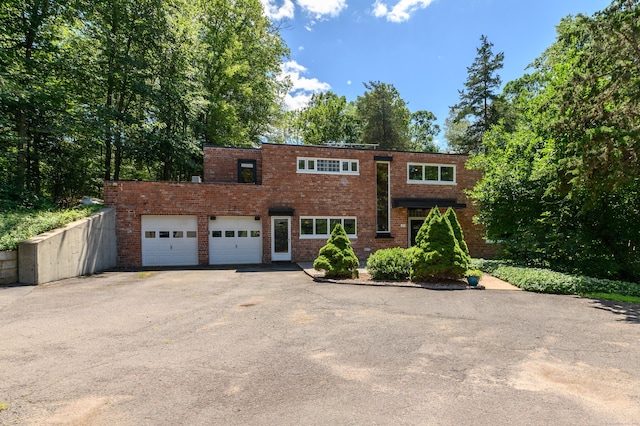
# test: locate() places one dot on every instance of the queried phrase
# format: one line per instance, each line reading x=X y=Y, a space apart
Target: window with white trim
x=328 y=166
x=321 y=226
x=443 y=174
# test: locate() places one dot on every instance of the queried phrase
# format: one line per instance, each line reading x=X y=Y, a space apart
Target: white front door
x=235 y=240
x=280 y=238
x=169 y=240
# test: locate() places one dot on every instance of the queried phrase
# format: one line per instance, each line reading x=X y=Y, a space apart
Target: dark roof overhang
x=427 y=203
x=281 y=211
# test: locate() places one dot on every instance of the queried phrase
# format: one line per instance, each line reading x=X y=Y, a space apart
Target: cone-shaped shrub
x=424 y=229
x=337 y=258
x=457 y=231
x=438 y=255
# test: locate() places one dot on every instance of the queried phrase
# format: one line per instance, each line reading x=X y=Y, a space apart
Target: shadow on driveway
x=629 y=311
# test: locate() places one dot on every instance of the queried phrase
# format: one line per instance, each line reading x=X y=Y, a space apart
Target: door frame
x=279 y=257
x=409 y=220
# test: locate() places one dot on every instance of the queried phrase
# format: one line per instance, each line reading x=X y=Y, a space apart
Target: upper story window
x=328 y=166
x=246 y=171
x=443 y=174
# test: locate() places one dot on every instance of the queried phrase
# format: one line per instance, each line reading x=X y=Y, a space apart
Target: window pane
x=311 y=165
x=164 y=234
x=242 y=234
x=354 y=166
x=446 y=173
x=229 y=234
x=334 y=222
x=306 y=226
x=178 y=234
x=321 y=227
x=247 y=175
x=216 y=234
x=255 y=234
x=431 y=172
x=191 y=234
x=382 y=197
x=415 y=172
x=350 y=226
x=301 y=164
x=329 y=165
x=149 y=234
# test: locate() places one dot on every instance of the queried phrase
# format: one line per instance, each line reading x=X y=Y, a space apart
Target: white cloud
x=323 y=8
x=401 y=11
x=273 y=11
x=302 y=87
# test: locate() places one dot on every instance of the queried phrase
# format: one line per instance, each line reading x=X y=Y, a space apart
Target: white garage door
x=169 y=240
x=235 y=240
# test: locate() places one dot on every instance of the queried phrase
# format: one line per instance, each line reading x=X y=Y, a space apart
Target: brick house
x=279 y=203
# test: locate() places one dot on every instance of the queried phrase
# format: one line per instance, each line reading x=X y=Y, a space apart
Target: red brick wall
x=282 y=186
x=221 y=163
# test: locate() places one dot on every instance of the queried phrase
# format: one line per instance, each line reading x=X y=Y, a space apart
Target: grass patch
x=548 y=281
x=18 y=226
x=614 y=297
x=146 y=274
x=3 y=406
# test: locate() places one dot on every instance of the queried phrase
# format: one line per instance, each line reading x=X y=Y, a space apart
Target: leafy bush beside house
x=438 y=254
x=392 y=264
x=547 y=281
x=337 y=257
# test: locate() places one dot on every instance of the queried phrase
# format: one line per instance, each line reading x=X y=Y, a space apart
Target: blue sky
x=422 y=47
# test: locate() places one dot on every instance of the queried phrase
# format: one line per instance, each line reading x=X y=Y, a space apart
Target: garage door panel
x=235 y=240
x=169 y=240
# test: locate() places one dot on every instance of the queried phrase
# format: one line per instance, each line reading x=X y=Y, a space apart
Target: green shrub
x=450 y=214
x=424 y=229
x=547 y=281
x=20 y=225
x=390 y=264
x=438 y=254
x=337 y=258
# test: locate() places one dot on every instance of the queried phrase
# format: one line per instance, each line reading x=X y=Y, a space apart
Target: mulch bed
x=365 y=279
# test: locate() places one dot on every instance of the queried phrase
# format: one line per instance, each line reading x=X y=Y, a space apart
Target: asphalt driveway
x=253 y=346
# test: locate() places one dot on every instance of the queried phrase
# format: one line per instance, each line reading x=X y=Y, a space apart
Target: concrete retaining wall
x=83 y=247
x=8 y=267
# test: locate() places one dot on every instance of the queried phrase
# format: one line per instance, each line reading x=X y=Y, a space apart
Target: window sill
x=384 y=235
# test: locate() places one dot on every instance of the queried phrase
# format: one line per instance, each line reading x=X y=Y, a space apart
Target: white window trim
x=315 y=163
x=432 y=182
x=315 y=236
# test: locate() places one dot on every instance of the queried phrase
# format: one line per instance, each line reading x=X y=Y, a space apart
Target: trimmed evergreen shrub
x=422 y=232
x=438 y=254
x=390 y=264
x=337 y=257
x=457 y=231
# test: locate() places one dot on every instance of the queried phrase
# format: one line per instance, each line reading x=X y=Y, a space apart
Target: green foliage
x=328 y=119
x=423 y=130
x=384 y=116
x=21 y=225
x=473 y=273
x=128 y=89
x=337 y=258
x=450 y=214
x=390 y=264
x=438 y=254
x=476 y=107
x=423 y=232
x=548 y=281
x=560 y=182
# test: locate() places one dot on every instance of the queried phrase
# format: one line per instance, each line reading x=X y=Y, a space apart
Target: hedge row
x=547 y=281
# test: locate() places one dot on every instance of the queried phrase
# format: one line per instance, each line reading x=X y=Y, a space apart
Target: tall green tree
x=560 y=185
x=324 y=120
x=239 y=62
x=384 y=116
x=423 y=131
x=476 y=99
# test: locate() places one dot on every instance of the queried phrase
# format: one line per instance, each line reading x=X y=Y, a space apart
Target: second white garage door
x=235 y=240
